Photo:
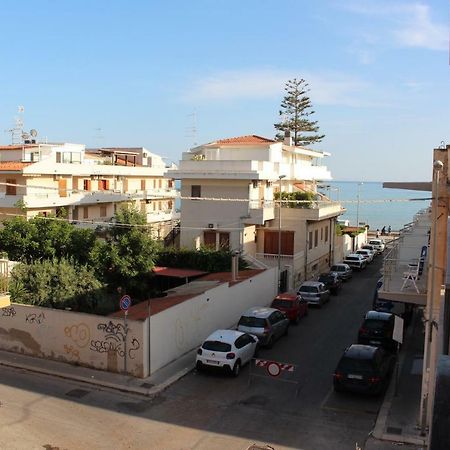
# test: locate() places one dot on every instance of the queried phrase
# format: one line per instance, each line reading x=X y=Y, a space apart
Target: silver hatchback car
x=268 y=324
x=314 y=292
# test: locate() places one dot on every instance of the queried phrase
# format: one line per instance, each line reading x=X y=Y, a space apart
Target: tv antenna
x=191 y=131
x=17 y=134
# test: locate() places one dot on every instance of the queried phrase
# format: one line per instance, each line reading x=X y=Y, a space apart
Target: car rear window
x=352 y=258
x=282 y=304
x=337 y=268
x=347 y=364
x=308 y=289
x=373 y=324
x=216 y=346
x=256 y=322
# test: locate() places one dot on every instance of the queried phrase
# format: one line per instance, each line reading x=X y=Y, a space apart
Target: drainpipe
x=306 y=248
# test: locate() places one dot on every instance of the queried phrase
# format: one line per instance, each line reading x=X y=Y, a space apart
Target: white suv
x=378 y=244
x=355 y=261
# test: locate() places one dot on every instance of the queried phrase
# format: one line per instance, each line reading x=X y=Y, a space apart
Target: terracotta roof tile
x=245 y=140
x=17 y=147
x=13 y=165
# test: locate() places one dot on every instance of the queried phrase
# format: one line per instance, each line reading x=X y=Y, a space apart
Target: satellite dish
x=33 y=132
x=25 y=135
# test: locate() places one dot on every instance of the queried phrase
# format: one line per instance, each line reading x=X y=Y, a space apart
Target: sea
x=377 y=207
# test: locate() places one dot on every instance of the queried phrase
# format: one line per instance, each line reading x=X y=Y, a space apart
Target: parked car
x=226 y=349
x=332 y=281
x=377 y=329
x=371 y=248
x=268 y=324
x=367 y=254
x=378 y=244
x=355 y=261
x=364 y=369
x=344 y=271
x=294 y=306
x=314 y=292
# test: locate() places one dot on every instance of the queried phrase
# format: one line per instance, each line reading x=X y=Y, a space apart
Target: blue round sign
x=125 y=302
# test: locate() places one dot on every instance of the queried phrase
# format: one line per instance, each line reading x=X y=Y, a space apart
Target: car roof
x=357 y=255
x=228 y=336
x=378 y=315
x=259 y=311
x=359 y=351
x=341 y=264
x=311 y=283
x=286 y=296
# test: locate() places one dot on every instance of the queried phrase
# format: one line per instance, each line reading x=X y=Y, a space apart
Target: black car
x=364 y=369
x=377 y=329
x=331 y=281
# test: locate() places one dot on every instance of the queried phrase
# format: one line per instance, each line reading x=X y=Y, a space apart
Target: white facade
x=227 y=200
x=88 y=184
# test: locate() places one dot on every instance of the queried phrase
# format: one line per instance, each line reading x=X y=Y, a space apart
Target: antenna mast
x=17 y=130
x=191 y=132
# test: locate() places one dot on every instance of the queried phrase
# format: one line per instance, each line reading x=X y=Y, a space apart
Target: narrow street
x=209 y=411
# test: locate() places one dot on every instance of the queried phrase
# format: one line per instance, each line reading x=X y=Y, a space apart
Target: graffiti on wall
x=34 y=318
x=80 y=334
x=72 y=351
x=9 y=311
x=113 y=340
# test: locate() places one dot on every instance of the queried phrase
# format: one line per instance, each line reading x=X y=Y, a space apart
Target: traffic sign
x=125 y=302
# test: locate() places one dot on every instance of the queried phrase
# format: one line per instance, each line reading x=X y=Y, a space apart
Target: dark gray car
x=268 y=324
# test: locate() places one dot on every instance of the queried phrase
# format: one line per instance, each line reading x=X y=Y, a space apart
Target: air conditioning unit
x=212 y=226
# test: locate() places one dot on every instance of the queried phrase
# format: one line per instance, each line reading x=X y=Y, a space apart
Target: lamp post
x=357 y=204
x=279 y=235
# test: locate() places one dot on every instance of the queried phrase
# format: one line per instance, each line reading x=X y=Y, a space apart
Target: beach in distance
x=378 y=206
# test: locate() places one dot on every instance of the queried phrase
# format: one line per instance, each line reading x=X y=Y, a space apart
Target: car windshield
x=373 y=324
x=308 y=289
x=353 y=365
x=337 y=268
x=248 y=321
x=286 y=304
x=216 y=346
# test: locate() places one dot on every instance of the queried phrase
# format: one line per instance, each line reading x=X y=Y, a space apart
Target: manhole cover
x=394 y=430
x=77 y=393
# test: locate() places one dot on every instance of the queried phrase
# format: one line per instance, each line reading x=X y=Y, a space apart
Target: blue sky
x=133 y=73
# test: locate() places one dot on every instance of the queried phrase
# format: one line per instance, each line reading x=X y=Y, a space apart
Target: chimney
x=287 y=138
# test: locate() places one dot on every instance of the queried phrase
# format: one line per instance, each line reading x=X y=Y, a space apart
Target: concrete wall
x=77 y=338
x=183 y=327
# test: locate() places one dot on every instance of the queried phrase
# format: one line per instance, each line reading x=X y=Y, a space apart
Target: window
x=58 y=157
x=224 y=241
x=75 y=213
x=142 y=185
x=86 y=185
x=62 y=187
x=209 y=239
x=271 y=242
x=102 y=210
x=196 y=190
x=103 y=185
x=326 y=233
x=160 y=183
x=310 y=240
x=316 y=238
x=321 y=233
x=255 y=184
x=85 y=212
x=11 y=190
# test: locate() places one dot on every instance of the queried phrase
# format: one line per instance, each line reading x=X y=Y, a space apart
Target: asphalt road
x=209 y=411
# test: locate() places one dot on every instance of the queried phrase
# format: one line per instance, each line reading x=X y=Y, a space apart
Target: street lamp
x=279 y=235
x=357 y=204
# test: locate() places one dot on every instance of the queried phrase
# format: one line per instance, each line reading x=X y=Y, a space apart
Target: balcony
x=316 y=211
x=400 y=254
x=162 y=216
x=260 y=211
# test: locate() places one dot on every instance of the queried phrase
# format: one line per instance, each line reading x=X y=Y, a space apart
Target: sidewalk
x=149 y=386
x=398 y=418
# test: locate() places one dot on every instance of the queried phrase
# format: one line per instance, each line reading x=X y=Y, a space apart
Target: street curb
x=153 y=391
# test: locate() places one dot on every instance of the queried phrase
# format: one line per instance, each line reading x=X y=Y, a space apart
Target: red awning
x=177 y=273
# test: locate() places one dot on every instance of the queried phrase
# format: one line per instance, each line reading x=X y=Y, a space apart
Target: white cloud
x=326 y=88
x=411 y=23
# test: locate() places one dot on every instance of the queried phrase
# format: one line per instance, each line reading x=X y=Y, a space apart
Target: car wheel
x=270 y=342
x=256 y=352
x=337 y=388
x=236 y=368
x=199 y=366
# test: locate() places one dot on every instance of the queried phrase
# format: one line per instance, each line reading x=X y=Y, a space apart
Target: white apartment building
x=227 y=200
x=85 y=185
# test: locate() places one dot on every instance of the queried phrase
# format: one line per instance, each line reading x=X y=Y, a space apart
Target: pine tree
x=295 y=111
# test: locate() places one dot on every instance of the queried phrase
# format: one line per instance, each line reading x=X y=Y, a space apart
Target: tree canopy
x=296 y=108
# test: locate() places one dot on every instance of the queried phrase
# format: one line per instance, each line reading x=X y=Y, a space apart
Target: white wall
x=183 y=327
x=77 y=338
